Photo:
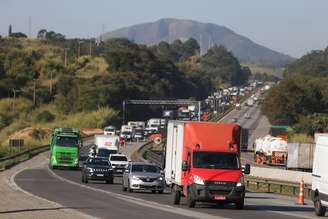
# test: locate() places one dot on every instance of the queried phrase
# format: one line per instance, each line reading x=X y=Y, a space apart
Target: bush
x=38 y=134
x=45 y=116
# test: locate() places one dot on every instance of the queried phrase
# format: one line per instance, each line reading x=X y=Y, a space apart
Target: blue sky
x=294 y=27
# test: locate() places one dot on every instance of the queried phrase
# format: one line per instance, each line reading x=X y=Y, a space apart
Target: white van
x=319 y=191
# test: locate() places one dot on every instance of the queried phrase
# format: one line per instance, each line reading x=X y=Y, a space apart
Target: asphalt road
x=108 y=201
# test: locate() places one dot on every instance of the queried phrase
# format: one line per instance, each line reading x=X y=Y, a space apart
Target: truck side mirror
x=247 y=169
x=185 y=165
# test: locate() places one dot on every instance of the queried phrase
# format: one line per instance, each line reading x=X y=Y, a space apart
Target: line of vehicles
x=202 y=164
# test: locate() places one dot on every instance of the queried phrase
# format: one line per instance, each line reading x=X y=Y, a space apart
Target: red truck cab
x=203 y=163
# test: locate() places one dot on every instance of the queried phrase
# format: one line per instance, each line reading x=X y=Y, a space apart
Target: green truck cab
x=65 y=148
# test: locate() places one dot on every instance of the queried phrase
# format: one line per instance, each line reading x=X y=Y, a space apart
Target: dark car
x=98 y=169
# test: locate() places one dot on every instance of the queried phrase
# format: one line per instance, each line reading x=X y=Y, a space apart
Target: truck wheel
x=110 y=181
x=176 y=197
x=240 y=204
x=190 y=200
x=319 y=209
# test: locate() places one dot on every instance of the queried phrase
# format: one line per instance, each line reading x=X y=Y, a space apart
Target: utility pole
x=50 y=87
x=200 y=45
x=34 y=92
x=90 y=48
x=65 y=58
x=79 y=49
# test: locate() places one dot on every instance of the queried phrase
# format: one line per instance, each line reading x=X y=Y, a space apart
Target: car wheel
x=129 y=188
x=176 y=197
x=240 y=204
x=190 y=200
x=161 y=191
x=153 y=191
x=110 y=181
x=86 y=179
x=319 y=209
x=82 y=178
x=123 y=187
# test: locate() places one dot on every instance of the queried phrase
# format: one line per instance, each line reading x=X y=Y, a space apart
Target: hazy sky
x=294 y=27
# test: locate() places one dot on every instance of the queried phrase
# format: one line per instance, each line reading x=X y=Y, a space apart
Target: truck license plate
x=100 y=174
x=119 y=171
x=219 y=197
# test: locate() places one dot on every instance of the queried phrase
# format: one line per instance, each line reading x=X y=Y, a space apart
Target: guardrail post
x=280 y=189
x=294 y=190
x=257 y=185
x=269 y=187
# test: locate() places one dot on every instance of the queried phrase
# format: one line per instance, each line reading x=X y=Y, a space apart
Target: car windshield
x=118 y=158
x=66 y=141
x=145 y=168
x=154 y=126
x=215 y=160
x=126 y=133
x=98 y=162
x=110 y=130
x=105 y=152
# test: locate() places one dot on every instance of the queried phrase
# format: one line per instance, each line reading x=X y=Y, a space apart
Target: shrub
x=45 y=116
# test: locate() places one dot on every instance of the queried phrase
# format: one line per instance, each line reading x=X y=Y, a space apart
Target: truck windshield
x=145 y=168
x=66 y=141
x=118 y=158
x=215 y=160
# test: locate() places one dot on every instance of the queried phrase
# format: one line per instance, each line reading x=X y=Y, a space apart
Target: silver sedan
x=143 y=176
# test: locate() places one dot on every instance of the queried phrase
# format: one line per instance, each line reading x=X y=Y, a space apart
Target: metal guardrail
x=29 y=151
x=269 y=184
x=22 y=156
x=154 y=158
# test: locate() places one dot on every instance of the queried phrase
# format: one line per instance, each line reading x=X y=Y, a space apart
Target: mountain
x=207 y=34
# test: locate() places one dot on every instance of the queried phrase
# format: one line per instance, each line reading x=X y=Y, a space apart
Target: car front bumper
x=141 y=185
x=205 y=193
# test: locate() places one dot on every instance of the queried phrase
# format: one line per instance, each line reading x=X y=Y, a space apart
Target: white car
x=109 y=130
x=119 y=163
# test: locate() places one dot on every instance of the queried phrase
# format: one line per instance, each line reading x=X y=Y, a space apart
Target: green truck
x=65 y=148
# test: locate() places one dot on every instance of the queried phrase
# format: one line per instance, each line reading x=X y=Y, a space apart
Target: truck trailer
x=203 y=163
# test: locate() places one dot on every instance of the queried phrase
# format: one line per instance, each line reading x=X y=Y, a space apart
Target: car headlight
x=90 y=169
x=241 y=182
x=198 y=180
x=160 y=178
x=135 y=177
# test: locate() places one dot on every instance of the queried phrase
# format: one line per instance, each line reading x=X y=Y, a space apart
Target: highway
x=108 y=201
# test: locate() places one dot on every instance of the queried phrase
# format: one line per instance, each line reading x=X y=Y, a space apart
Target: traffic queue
x=202 y=163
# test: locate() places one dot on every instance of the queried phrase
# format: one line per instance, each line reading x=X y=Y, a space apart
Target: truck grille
x=65 y=157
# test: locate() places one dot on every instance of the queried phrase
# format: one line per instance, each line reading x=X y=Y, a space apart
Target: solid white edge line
x=14 y=186
x=143 y=202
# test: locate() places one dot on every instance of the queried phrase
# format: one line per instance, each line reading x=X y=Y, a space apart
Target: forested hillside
x=301 y=99
x=52 y=81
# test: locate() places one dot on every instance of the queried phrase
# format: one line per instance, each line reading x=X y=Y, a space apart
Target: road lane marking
x=12 y=184
x=143 y=202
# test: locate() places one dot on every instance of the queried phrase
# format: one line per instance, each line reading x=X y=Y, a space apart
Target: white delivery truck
x=108 y=142
x=319 y=191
